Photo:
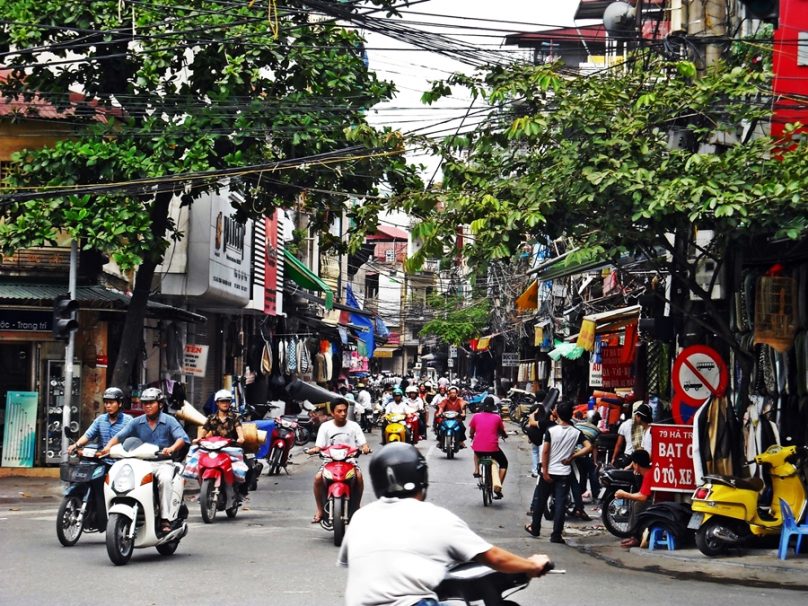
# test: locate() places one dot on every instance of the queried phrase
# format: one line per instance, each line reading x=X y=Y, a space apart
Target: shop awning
x=385 y=352
x=609 y=321
x=529 y=299
x=303 y=276
x=96 y=297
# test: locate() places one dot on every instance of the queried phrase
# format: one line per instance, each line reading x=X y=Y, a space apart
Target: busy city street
x=271 y=554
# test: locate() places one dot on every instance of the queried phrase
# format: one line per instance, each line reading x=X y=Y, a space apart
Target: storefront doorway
x=15 y=374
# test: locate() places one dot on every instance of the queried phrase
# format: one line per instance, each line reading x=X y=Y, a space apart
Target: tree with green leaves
x=591 y=159
x=178 y=98
x=455 y=320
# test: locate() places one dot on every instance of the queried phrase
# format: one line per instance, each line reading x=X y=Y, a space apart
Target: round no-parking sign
x=698 y=374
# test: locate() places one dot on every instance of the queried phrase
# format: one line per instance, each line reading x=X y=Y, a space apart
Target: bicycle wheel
x=487 y=484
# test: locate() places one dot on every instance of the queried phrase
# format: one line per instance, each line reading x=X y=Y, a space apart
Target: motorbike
x=519 y=404
x=396 y=428
x=475 y=401
x=82 y=508
x=339 y=471
x=131 y=495
x=218 y=488
x=413 y=423
x=449 y=433
x=472 y=583
x=616 y=513
x=308 y=422
x=281 y=442
x=727 y=510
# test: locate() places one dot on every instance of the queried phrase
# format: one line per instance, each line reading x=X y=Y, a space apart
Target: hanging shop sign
x=510 y=360
x=606 y=369
x=672 y=456
x=195 y=360
x=452 y=351
x=699 y=373
x=273 y=269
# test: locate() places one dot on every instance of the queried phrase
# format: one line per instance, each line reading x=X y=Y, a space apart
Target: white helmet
x=411 y=389
x=223 y=394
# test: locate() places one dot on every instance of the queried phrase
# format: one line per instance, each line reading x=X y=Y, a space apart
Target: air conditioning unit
x=704 y=268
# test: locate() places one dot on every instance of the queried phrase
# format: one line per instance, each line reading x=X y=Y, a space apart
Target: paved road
x=271 y=554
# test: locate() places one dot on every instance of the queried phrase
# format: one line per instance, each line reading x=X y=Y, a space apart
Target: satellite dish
x=619 y=20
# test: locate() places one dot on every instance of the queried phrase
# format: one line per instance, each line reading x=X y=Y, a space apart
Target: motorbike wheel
x=302 y=435
x=274 y=462
x=448 y=443
x=169 y=548
x=337 y=520
x=207 y=501
x=707 y=543
x=68 y=525
x=119 y=545
x=616 y=516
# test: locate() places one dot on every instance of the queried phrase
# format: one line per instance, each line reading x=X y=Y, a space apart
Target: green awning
x=304 y=277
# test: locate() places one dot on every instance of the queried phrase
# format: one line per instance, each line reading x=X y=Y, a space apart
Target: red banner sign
x=672 y=457
x=271 y=265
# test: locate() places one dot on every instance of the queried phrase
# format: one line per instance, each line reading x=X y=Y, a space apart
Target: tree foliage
x=456 y=322
x=176 y=95
x=590 y=158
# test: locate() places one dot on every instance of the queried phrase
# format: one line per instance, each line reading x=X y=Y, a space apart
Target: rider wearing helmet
x=485 y=429
x=397 y=404
x=405 y=567
x=414 y=401
x=223 y=422
x=164 y=431
x=108 y=424
x=456 y=404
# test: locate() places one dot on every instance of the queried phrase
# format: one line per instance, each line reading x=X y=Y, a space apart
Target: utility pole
x=707 y=19
x=69 y=348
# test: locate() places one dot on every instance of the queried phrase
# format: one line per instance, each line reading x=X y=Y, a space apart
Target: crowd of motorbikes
x=118 y=496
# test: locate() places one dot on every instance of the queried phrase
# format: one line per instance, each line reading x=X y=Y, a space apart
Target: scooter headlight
x=124 y=480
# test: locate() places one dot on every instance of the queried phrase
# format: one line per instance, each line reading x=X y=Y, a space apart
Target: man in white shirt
x=404 y=568
x=414 y=401
x=363 y=406
x=338 y=430
x=398 y=404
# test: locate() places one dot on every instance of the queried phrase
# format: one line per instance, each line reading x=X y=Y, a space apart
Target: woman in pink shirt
x=485 y=429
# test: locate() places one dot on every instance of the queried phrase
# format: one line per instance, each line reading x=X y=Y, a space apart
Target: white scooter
x=132 y=499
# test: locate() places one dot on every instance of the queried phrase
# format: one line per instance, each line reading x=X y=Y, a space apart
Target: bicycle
x=486 y=481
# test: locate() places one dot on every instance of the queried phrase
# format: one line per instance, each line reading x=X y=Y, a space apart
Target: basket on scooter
x=77 y=472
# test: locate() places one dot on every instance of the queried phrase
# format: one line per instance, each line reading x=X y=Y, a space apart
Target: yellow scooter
x=395 y=430
x=726 y=511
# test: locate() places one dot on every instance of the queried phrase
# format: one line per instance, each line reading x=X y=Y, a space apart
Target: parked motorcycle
x=473 y=583
x=281 y=442
x=396 y=428
x=218 y=487
x=449 y=433
x=339 y=472
x=727 y=510
x=133 y=506
x=308 y=422
x=616 y=513
x=83 y=507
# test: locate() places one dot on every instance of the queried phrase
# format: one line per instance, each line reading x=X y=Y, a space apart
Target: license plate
x=695 y=521
x=601 y=493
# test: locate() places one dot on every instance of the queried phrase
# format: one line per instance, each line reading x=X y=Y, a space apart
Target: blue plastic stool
x=659 y=537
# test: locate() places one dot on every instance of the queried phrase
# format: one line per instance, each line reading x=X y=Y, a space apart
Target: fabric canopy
x=303 y=276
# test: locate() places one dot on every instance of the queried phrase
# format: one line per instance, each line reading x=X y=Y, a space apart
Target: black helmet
x=489 y=404
x=398 y=470
x=113 y=393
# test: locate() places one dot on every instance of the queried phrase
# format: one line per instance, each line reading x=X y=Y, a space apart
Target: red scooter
x=413 y=423
x=217 y=480
x=339 y=472
x=283 y=438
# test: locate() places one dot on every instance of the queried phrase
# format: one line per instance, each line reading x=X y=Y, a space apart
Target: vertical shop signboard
x=672 y=458
x=196 y=360
x=19 y=435
x=271 y=257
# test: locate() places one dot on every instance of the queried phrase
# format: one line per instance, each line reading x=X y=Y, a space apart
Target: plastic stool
x=659 y=537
